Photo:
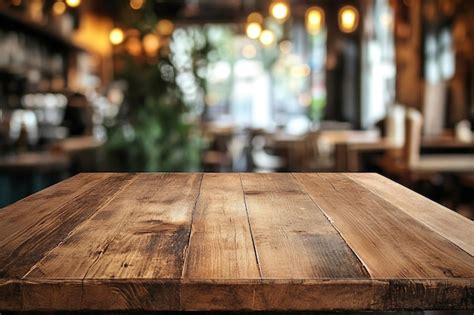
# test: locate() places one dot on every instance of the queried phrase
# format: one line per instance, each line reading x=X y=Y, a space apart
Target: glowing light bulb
x=348 y=19
x=253 y=30
x=73 y=3
x=279 y=10
x=165 y=27
x=116 y=36
x=59 y=8
x=151 y=44
x=267 y=37
x=137 y=4
x=314 y=20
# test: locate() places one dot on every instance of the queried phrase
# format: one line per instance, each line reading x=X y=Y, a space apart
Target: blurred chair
x=263 y=161
x=430 y=174
x=318 y=154
x=412 y=164
x=395 y=124
x=433 y=163
x=217 y=157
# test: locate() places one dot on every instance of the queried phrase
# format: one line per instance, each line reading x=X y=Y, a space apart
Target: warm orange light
x=116 y=36
x=255 y=17
x=151 y=44
x=267 y=38
x=348 y=19
x=73 y=3
x=134 y=46
x=165 y=27
x=314 y=20
x=137 y=4
x=279 y=10
x=16 y=2
x=59 y=8
x=253 y=30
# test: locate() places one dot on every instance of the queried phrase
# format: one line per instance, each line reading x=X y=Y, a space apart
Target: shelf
x=19 y=23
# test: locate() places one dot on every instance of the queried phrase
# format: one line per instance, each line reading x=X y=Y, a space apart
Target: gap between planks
x=188 y=244
x=303 y=189
x=251 y=231
x=185 y=264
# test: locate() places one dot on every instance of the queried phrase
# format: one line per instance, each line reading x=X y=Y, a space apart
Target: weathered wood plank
x=293 y=238
x=327 y=295
x=451 y=225
x=228 y=242
x=104 y=294
x=282 y=295
x=35 y=237
x=135 y=295
x=10 y=295
x=392 y=244
x=141 y=234
x=221 y=242
x=152 y=244
x=17 y=219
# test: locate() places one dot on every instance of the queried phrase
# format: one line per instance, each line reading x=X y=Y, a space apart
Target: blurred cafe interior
x=382 y=86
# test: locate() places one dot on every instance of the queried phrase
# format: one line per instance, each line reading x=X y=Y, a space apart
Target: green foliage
x=317 y=109
x=155 y=134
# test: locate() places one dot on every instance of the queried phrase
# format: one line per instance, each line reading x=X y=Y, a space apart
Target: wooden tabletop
x=232 y=242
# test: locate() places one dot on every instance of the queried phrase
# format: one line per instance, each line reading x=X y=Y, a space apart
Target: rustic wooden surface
x=233 y=242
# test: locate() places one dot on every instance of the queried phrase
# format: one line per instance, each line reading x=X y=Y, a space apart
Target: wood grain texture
x=228 y=242
x=453 y=226
x=16 y=223
x=141 y=234
x=153 y=242
x=392 y=244
x=104 y=294
x=282 y=295
x=10 y=294
x=45 y=221
x=293 y=238
x=221 y=245
x=327 y=295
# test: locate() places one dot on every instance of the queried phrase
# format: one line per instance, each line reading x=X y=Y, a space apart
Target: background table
x=232 y=242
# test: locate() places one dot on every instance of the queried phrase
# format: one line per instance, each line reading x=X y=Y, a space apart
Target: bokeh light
x=165 y=27
x=134 y=46
x=255 y=17
x=151 y=44
x=253 y=30
x=73 y=3
x=279 y=10
x=116 y=36
x=348 y=19
x=314 y=20
x=137 y=4
x=267 y=37
x=59 y=8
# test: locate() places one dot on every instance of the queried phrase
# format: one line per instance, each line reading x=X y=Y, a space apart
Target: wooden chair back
x=413 y=129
